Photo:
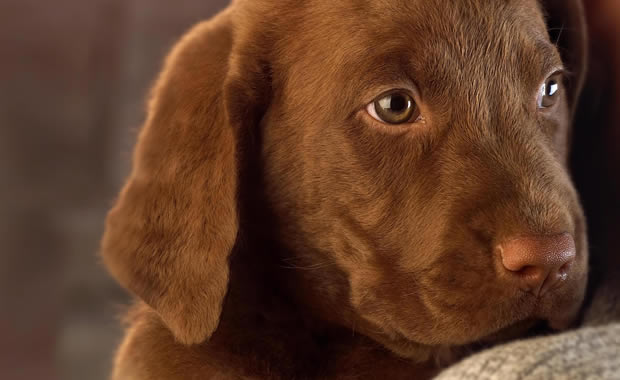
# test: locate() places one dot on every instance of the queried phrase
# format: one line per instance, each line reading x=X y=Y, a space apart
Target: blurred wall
x=73 y=79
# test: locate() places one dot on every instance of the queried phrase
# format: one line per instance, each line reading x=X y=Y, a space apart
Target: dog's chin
x=519 y=329
x=558 y=321
x=543 y=316
x=547 y=316
x=446 y=354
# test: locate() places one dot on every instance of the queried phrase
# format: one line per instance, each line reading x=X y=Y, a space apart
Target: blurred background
x=73 y=79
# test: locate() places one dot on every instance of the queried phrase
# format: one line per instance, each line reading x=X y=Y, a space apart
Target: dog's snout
x=538 y=263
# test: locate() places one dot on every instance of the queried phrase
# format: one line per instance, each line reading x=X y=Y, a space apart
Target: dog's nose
x=539 y=263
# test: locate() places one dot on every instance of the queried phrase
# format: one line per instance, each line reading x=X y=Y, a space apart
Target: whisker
x=557 y=40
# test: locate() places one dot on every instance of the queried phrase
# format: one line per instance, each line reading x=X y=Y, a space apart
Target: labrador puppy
x=348 y=189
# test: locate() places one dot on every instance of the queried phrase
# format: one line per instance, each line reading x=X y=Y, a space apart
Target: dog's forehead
x=438 y=17
x=485 y=39
x=442 y=13
x=442 y=31
x=437 y=43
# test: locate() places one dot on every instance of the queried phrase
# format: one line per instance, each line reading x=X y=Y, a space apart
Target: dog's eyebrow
x=383 y=70
x=551 y=59
x=395 y=68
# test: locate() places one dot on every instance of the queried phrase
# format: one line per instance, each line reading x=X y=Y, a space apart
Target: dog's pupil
x=398 y=103
x=552 y=88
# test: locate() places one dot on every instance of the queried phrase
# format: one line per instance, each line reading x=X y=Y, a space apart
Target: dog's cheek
x=556 y=129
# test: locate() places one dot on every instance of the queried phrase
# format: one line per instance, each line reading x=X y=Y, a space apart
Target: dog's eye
x=549 y=92
x=396 y=107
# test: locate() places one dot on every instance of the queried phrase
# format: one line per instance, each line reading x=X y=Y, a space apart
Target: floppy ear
x=567 y=28
x=170 y=234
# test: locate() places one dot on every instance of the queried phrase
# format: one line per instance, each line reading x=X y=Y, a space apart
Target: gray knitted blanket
x=589 y=352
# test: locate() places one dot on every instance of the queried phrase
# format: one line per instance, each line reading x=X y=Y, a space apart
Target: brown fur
x=273 y=230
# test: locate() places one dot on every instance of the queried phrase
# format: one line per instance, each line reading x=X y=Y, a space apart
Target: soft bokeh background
x=73 y=79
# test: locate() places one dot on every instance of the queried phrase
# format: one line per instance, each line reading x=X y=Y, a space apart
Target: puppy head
x=414 y=147
x=420 y=147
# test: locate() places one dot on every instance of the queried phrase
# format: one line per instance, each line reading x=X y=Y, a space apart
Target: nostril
x=539 y=263
x=531 y=278
x=565 y=268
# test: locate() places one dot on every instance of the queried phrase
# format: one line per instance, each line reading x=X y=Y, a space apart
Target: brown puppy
x=334 y=189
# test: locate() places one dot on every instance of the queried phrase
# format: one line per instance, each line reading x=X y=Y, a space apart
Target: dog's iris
x=549 y=92
x=395 y=108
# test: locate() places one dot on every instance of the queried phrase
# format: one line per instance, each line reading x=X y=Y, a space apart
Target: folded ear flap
x=567 y=28
x=170 y=234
